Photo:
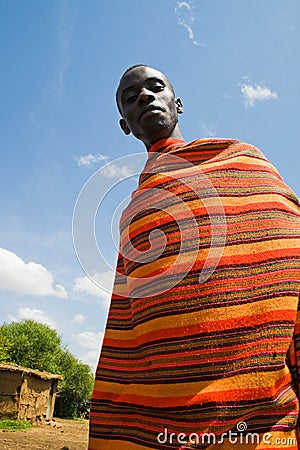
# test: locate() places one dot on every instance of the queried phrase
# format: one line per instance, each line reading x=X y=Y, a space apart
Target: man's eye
x=131 y=99
x=157 y=88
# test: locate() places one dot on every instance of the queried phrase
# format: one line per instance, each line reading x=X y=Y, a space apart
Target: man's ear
x=179 y=105
x=124 y=126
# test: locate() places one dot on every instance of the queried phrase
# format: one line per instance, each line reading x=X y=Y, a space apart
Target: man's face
x=148 y=105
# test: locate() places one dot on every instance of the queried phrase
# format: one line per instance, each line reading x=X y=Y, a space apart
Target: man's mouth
x=149 y=109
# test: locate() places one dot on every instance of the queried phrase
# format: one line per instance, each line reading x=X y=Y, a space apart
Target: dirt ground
x=60 y=435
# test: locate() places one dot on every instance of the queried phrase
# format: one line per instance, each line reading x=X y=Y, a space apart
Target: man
x=202 y=339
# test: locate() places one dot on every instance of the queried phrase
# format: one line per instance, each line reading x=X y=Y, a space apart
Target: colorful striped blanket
x=202 y=341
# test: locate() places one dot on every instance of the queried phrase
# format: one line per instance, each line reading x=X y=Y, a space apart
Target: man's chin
x=153 y=131
x=155 y=126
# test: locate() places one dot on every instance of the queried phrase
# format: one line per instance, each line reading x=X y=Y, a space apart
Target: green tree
x=5 y=346
x=37 y=346
x=75 y=390
x=34 y=345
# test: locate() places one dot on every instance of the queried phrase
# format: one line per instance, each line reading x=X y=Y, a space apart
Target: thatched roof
x=37 y=373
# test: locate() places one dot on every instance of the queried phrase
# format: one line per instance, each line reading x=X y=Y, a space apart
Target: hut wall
x=10 y=388
x=34 y=398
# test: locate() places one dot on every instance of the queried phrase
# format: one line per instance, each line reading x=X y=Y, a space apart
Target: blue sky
x=234 y=63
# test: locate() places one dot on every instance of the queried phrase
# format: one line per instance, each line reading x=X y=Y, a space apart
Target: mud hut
x=27 y=394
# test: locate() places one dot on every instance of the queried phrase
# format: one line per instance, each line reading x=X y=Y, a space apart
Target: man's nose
x=146 y=95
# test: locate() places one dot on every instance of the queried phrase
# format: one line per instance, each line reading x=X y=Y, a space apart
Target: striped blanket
x=202 y=341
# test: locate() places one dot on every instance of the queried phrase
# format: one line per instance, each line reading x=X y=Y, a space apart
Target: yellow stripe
x=189 y=258
x=244 y=381
x=247 y=160
x=193 y=205
x=214 y=314
x=262 y=247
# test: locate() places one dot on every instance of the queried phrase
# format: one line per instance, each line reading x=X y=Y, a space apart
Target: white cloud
x=90 y=159
x=253 y=93
x=66 y=25
x=184 y=5
x=114 y=171
x=208 y=130
x=27 y=278
x=79 y=318
x=186 y=17
x=91 y=358
x=34 y=314
x=109 y=170
x=89 y=340
x=104 y=280
x=189 y=30
x=93 y=342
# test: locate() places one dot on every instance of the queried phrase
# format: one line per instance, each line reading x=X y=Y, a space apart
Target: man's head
x=148 y=105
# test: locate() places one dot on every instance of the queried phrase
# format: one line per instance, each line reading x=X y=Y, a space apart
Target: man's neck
x=176 y=134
